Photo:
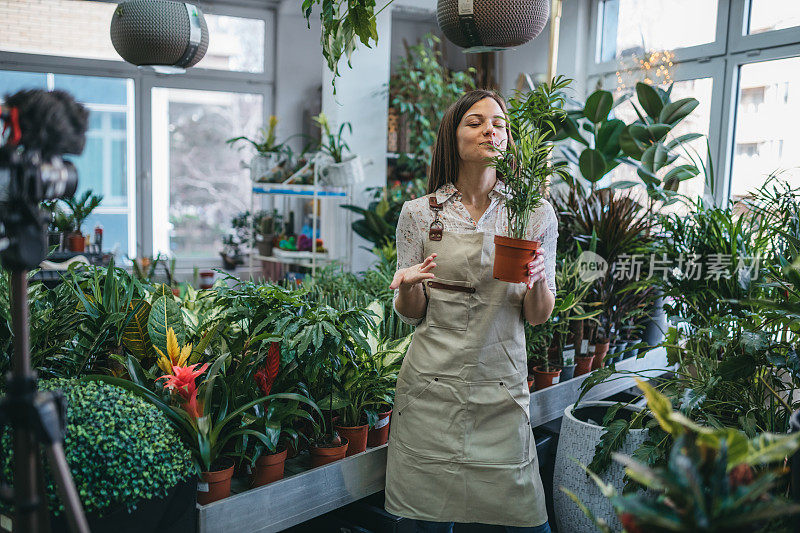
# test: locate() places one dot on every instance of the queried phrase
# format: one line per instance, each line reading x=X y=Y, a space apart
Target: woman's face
x=482 y=131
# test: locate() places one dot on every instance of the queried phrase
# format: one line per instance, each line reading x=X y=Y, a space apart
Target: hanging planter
x=492 y=23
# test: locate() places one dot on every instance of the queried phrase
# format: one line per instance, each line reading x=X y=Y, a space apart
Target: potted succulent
x=80 y=209
x=525 y=167
x=266 y=225
x=269 y=154
x=343 y=170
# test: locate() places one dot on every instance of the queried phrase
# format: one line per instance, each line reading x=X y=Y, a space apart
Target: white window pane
x=766 y=139
x=697 y=122
x=198 y=182
x=234 y=44
x=769 y=15
x=634 y=27
x=72 y=28
x=105 y=167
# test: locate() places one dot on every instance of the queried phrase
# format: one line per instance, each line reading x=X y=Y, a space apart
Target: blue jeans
x=424 y=526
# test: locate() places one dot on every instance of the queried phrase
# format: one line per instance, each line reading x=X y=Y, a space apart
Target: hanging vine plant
x=343 y=21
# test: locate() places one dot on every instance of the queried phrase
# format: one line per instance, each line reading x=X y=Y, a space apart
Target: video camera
x=39 y=127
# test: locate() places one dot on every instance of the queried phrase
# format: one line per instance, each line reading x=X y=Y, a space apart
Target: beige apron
x=461 y=447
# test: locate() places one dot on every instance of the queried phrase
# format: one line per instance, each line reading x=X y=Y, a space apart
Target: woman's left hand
x=536 y=269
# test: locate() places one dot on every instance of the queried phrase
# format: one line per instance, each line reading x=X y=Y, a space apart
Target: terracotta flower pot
x=322 y=456
x=600 y=351
x=379 y=435
x=217 y=485
x=511 y=258
x=269 y=468
x=356 y=436
x=583 y=364
x=76 y=242
x=543 y=379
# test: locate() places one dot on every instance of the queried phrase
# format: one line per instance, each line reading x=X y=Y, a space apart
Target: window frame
x=721 y=61
x=144 y=80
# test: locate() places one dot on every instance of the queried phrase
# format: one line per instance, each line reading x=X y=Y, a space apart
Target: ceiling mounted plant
x=526 y=167
x=343 y=21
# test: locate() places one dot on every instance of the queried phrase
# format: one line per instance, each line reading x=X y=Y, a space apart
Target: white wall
x=362 y=99
x=298 y=74
x=532 y=57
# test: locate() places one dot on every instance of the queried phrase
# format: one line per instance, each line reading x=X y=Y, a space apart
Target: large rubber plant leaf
x=608 y=137
x=630 y=146
x=676 y=111
x=165 y=314
x=648 y=134
x=592 y=164
x=598 y=106
x=135 y=336
x=649 y=99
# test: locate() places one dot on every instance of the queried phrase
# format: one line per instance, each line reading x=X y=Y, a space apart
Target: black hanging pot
x=492 y=23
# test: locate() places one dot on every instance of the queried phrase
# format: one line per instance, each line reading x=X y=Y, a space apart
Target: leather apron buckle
x=435 y=231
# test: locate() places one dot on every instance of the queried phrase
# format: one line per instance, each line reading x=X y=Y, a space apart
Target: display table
x=307 y=493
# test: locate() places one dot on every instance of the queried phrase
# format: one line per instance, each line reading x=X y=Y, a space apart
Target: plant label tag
x=6 y=523
x=555 y=379
x=202 y=486
x=383 y=422
x=465 y=7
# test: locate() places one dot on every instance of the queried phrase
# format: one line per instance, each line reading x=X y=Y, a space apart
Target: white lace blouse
x=416 y=217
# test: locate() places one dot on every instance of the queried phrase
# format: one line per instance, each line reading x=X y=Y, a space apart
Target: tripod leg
x=66 y=488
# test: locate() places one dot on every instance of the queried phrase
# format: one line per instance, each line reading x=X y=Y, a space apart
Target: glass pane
x=635 y=27
x=115 y=231
x=766 y=140
x=12 y=81
x=768 y=15
x=72 y=28
x=93 y=90
x=198 y=182
x=697 y=122
x=234 y=44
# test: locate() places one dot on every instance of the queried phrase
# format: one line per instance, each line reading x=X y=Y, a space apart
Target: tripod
x=35 y=418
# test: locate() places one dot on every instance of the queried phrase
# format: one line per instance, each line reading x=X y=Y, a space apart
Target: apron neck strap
x=435 y=231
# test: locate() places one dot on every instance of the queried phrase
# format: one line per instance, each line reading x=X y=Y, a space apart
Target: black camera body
x=43 y=126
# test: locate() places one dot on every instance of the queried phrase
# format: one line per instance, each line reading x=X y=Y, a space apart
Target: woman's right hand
x=408 y=277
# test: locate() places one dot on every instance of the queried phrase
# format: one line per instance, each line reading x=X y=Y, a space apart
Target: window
x=50 y=28
x=634 y=27
x=234 y=44
x=106 y=164
x=769 y=15
x=199 y=184
x=765 y=140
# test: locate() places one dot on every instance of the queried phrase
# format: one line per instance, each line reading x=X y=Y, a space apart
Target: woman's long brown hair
x=445 y=158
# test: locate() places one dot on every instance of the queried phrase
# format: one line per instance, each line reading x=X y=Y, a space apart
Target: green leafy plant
x=333 y=144
x=122 y=450
x=642 y=144
x=81 y=207
x=717 y=479
x=342 y=23
x=526 y=165
x=422 y=88
x=268 y=144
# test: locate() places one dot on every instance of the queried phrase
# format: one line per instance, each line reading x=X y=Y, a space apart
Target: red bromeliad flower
x=183 y=383
x=265 y=377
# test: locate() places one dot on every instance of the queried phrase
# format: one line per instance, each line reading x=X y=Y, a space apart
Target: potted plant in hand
x=81 y=208
x=343 y=170
x=526 y=167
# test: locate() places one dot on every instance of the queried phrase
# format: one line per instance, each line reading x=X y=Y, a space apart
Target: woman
x=461 y=447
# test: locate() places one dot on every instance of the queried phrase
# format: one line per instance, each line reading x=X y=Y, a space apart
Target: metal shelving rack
x=306 y=493
x=315 y=191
